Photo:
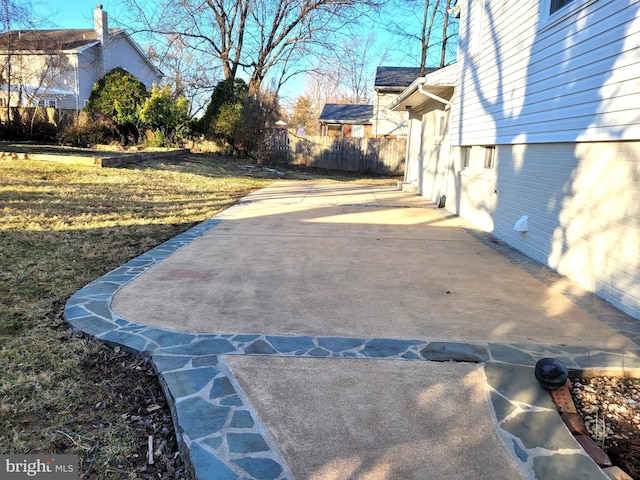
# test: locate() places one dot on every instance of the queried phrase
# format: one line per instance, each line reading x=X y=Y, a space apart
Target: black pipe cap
x=551 y=373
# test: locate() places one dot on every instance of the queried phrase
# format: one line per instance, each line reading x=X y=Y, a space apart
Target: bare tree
x=358 y=58
x=446 y=33
x=187 y=74
x=344 y=73
x=255 y=37
x=12 y=15
x=26 y=67
x=435 y=18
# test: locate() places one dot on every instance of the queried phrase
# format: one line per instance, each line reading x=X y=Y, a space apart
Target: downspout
x=447 y=111
x=377 y=114
x=406 y=155
x=77 y=74
x=431 y=95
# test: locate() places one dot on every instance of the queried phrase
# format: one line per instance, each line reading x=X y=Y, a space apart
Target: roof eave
x=406 y=93
x=345 y=121
x=434 y=83
x=52 y=52
x=388 y=89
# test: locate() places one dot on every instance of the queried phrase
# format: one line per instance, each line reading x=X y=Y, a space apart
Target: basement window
x=465 y=157
x=489 y=157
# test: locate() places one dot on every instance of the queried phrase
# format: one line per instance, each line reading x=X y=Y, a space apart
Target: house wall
x=414 y=146
x=430 y=162
x=88 y=72
x=46 y=72
x=387 y=122
x=119 y=52
x=582 y=201
x=471 y=190
x=535 y=78
x=583 y=205
x=26 y=69
x=557 y=95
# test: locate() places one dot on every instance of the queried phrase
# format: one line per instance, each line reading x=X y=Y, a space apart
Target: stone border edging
x=228 y=441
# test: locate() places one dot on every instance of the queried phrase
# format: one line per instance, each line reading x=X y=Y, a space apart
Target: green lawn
x=62 y=226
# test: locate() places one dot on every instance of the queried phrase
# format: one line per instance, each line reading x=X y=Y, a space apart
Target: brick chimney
x=100 y=24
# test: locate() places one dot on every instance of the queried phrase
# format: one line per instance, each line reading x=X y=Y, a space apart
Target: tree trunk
x=443 y=51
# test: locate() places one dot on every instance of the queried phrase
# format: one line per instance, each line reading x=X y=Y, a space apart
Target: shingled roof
x=346 y=113
x=397 y=78
x=49 y=40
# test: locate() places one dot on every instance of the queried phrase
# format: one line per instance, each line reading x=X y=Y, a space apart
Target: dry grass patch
x=61 y=227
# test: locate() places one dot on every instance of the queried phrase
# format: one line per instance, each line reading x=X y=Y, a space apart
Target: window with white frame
x=557 y=5
x=357 y=131
x=554 y=11
x=48 y=103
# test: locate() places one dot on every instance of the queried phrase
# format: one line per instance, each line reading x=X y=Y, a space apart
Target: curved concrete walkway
x=308 y=332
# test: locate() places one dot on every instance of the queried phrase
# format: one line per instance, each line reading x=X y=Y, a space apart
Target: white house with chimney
x=534 y=135
x=58 y=68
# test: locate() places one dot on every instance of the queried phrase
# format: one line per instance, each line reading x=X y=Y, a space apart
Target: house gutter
x=406 y=93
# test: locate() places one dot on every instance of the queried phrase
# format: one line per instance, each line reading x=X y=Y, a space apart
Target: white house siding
x=37 y=81
x=536 y=80
x=559 y=98
x=583 y=205
x=471 y=191
x=385 y=121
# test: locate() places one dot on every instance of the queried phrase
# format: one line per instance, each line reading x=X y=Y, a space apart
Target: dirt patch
x=137 y=401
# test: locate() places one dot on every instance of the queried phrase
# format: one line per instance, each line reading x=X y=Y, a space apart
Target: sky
x=79 y=14
x=70 y=13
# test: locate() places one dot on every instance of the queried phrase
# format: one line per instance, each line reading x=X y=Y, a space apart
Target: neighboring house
x=544 y=133
x=389 y=82
x=58 y=68
x=346 y=120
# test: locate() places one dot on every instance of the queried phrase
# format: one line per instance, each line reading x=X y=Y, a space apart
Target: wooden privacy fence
x=375 y=155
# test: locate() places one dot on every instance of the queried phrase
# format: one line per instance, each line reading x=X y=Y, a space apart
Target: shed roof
x=346 y=113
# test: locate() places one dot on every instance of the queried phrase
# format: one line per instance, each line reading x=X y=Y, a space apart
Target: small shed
x=346 y=120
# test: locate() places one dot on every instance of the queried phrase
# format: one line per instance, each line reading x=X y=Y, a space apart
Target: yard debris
x=261 y=171
x=150 y=451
